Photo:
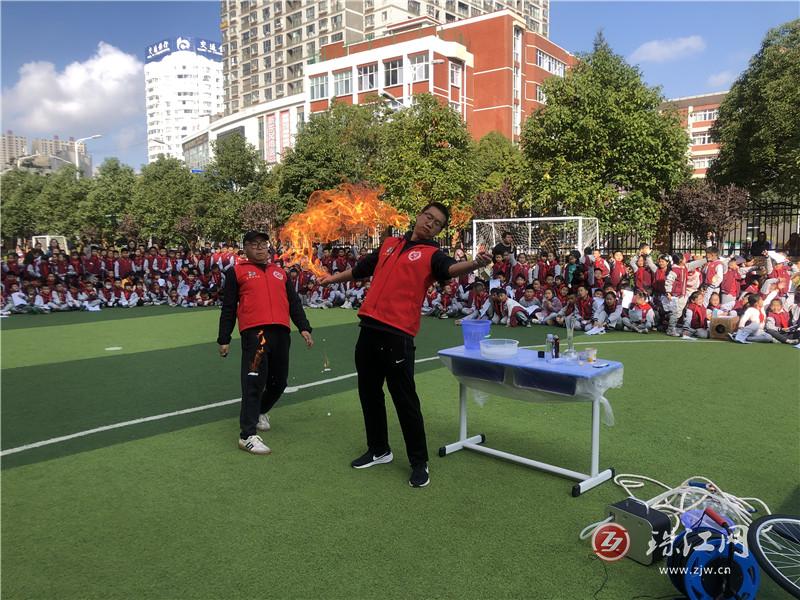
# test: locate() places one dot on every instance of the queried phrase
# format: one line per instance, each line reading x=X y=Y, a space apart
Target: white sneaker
x=263 y=422
x=254 y=445
x=347 y=305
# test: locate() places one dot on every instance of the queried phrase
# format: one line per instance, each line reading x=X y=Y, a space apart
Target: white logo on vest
x=414 y=255
x=389 y=250
x=277 y=274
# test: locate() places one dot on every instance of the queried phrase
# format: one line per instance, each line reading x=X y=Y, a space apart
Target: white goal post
x=542 y=234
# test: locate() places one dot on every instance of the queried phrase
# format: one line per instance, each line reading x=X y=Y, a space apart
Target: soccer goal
x=548 y=234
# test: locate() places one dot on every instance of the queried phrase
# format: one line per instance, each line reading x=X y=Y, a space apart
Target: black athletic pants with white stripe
x=264 y=377
x=383 y=356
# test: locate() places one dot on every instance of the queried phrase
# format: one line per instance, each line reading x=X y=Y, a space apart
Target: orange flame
x=334 y=214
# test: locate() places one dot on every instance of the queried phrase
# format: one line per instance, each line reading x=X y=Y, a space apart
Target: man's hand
x=325 y=280
x=307 y=337
x=223 y=350
x=483 y=259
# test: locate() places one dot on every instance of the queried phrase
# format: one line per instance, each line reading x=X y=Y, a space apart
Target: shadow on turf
x=81 y=395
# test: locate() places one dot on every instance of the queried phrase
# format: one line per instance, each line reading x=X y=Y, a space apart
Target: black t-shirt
x=440 y=267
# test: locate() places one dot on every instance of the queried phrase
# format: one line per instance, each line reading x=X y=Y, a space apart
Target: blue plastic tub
x=474 y=331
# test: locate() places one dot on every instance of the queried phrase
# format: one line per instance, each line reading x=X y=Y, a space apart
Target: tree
x=164 y=193
x=55 y=209
x=699 y=206
x=20 y=190
x=236 y=164
x=495 y=204
x=758 y=125
x=109 y=195
x=601 y=147
x=426 y=154
x=337 y=146
x=499 y=162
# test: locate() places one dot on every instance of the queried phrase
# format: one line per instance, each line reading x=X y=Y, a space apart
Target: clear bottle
x=548 y=347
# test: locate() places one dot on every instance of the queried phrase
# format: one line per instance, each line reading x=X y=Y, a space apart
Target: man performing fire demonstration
x=402 y=269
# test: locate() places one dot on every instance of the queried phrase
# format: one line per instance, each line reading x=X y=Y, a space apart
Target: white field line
x=289 y=390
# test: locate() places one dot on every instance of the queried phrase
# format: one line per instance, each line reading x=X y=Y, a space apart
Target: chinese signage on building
x=207 y=48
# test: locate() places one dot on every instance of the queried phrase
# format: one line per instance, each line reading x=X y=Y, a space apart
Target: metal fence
x=777 y=220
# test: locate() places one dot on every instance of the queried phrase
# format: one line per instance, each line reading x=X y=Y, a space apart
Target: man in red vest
x=259 y=296
x=402 y=269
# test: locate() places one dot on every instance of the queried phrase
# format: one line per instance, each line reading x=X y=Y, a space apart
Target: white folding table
x=527 y=377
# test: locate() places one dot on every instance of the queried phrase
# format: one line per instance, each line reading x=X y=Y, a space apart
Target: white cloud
x=127 y=137
x=94 y=96
x=667 y=50
x=720 y=80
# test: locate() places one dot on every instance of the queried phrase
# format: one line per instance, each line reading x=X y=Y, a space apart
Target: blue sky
x=74 y=68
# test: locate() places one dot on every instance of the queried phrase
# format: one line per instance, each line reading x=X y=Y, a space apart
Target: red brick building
x=488 y=68
x=698 y=114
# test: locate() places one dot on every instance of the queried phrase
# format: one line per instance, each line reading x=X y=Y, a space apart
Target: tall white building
x=183 y=85
x=12 y=147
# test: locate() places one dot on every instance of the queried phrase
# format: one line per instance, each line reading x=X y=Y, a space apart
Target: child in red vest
x=779 y=324
x=639 y=317
x=695 y=319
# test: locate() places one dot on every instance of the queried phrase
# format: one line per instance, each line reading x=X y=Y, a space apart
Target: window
x=343 y=83
x=310 y=13
x=323 y=24
x=550 y=63
x=455 y=106
x=337 y=37
x=419 y=67
x=295 y=37
x=265 y=29
x=540 y=97
x=517 y=44
x=268 y=46
x=310 y=30
x=393 y=72
x=709 y=114
x=265 y=14
x=413 y=7
x=455 y=74
x=319 y=87
x=369 y=21
x=699 y=139
x=367 y=77
x=517 y=82
x=703 y=162
x=336 y=22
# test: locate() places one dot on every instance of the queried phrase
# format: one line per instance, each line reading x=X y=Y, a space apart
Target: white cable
x=675 y=501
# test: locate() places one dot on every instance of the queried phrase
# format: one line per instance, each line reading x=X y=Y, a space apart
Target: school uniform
x=675 y=286
x=695 y=321
x=639 y=317
x=713 y=273
x=751 y=327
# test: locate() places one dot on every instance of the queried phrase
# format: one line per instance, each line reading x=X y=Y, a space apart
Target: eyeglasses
x=432 y=218
x=259 y=245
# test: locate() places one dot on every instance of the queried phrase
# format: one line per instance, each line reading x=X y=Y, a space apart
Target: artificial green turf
x=178 y=512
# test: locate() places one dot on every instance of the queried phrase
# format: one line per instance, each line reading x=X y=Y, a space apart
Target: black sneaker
x=419 y=475
x=369 y=459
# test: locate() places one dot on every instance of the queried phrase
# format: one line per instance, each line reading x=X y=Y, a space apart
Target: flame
x=334 y=214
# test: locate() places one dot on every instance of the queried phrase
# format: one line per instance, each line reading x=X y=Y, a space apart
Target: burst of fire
x=334 y=214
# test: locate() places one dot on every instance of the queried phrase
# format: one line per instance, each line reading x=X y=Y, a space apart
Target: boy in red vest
x=259 y=296
x=402 y=268
x=779 y=323
x=713 y=273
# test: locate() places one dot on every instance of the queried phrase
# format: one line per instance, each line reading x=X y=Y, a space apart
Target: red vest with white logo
x=679 y=285
x=262 y=296
x=730 y=283
x=399 y=284
x=711 y=270
x=659 y=281
x=699 y=316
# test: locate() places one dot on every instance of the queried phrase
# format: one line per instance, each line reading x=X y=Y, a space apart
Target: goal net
x=544 y=234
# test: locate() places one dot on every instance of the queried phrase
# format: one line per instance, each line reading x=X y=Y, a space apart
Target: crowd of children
x=43 y=280
x=677 y=294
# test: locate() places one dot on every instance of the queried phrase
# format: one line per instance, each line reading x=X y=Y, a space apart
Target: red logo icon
x=611 y=542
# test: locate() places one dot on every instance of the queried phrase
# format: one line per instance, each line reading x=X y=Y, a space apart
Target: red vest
x=584 y=307
x=399 y=285
x=699 y=316
x=659 y=279
x=125 y=267
x=711 y=269
x=618 y=271
x=679 y=285
x=781 y=319
x=782 y=274
x=730 y=283
x=262 y=296
x=643 y=278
